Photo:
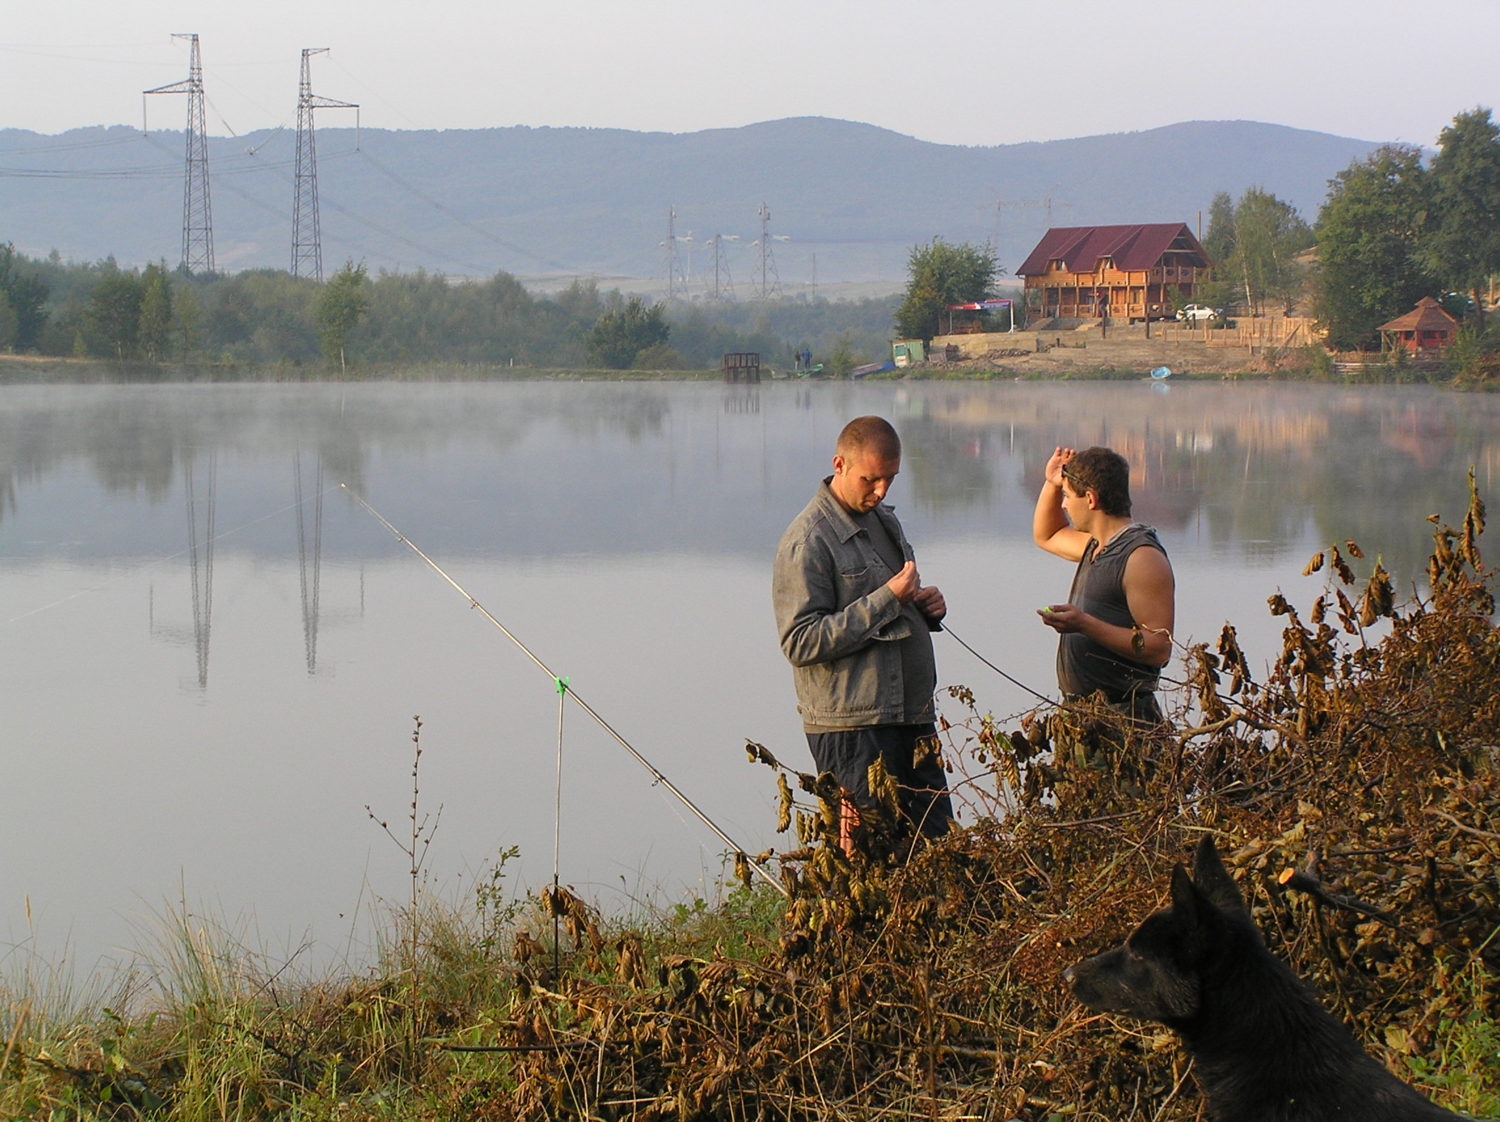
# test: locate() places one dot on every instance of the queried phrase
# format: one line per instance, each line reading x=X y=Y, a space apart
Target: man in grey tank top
x=1115 y=631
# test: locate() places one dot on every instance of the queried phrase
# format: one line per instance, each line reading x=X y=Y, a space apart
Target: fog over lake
x=211 y=657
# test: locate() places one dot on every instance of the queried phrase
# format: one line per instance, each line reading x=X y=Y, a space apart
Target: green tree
x=1218 y=242
x=1268 y=235
x=112 y=320
x=27 y=296
x=1369 y=245
x=659 y=356
x=8 y=324
x=940 y=274
x=843 y=359
x=189 y=318
x=154 y=332
x=624 y=331
x=340 y=308
x=1463 y=243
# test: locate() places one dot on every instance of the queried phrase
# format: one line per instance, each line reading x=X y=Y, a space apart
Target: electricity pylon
x=307 y=234
x=676 y=281
x=197 y=214
x=1022 y=204
x=769 y=281
x=723 y=288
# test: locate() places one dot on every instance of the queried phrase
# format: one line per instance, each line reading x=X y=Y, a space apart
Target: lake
x=211 y=657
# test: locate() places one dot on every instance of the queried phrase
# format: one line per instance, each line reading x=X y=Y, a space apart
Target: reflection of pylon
x=307 y=234
x=310 y=588
x=768 y=283
x=201 y=561
x=197 y=213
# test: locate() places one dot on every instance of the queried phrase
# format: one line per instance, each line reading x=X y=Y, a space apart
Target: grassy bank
x=1355 y=791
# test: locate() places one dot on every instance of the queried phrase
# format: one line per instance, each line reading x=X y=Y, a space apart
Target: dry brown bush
x=1355 y=793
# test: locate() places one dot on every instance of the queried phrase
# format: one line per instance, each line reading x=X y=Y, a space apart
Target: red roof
x=1428 y=315
x=1133 y=248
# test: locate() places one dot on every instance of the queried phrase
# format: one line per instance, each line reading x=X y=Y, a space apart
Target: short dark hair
x=1104 y=472
x=872 y=433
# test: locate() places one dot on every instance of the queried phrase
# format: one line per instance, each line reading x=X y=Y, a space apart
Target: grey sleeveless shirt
x=1083 y=665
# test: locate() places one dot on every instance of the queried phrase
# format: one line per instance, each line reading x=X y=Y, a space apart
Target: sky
x=950 y=71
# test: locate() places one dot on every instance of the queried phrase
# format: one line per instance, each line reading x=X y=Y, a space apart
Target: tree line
x=267 y=316
x=1395 y=227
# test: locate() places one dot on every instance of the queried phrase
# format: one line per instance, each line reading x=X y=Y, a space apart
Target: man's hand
x=1060 y=459
x=905 y=584
x=1063 y=618
x=930 y=603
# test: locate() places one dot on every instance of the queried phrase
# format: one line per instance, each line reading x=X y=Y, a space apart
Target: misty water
x=211 y=657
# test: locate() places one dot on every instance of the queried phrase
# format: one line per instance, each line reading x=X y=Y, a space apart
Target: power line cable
x=76 y=146
x=462 y=221
x=277 y=167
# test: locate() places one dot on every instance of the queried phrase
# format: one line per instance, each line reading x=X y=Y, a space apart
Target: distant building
x=1426 y=328
x=1126 y=272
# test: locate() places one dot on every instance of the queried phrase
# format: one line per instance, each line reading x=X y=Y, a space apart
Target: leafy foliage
x=941 y=274
x=1260 y=249
x=1463 y=245
x=341 y=306
x=268 y=316
x=1369 y=245
x=1218 y=241
x=26 y=296
x=624 y=330
x=112 y=322
x=154 y=330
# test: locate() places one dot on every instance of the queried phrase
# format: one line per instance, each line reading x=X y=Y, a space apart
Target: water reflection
x=201 y=559
x=1239 y=467
x=625 y=530
x=311 y=588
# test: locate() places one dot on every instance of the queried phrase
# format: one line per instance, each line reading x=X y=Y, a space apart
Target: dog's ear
x=1198 y=921
x=1187 y=901
x=1213 y=879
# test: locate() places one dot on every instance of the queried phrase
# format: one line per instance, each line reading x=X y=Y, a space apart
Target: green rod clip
x=562 y=685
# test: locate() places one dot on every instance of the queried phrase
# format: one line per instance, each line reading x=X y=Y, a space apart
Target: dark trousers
x=922 y=788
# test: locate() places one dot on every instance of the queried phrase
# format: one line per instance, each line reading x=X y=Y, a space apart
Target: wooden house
x=1126 y=272
x=1423 y=330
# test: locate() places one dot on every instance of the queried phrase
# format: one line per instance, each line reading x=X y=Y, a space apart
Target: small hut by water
x=1425 y=329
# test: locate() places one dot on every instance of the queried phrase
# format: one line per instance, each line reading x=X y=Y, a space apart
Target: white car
x=1198 y=313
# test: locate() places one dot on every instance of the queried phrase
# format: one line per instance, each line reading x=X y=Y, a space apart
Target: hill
x=540 y=201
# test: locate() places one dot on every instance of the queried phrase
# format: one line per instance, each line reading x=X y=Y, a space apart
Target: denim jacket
x=839 y=624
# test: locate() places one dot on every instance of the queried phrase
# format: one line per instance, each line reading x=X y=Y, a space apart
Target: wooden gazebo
x=1426 y=328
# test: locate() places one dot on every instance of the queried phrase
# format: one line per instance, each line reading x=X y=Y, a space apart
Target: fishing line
x=656 y=775
x=996 y=669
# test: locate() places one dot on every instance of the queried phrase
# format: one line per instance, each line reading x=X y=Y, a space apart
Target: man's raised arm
x=1050 y=528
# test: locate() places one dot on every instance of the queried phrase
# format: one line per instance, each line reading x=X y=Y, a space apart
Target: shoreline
x=35 y=370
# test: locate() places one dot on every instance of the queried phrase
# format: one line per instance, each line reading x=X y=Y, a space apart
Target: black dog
x=1263 y=1048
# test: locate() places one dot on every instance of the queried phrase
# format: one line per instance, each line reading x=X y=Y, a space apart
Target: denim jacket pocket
x=856 y=580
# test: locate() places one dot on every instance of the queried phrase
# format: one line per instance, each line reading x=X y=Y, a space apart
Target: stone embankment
x=1064 y=348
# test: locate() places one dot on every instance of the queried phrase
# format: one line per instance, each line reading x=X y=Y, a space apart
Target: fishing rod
x=568 y=691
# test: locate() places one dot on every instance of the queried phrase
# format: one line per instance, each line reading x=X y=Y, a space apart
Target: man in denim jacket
x=855 y=624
